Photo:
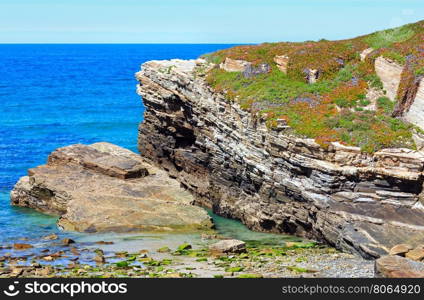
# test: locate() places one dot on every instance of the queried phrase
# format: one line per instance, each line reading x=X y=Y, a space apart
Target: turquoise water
x=57 y=95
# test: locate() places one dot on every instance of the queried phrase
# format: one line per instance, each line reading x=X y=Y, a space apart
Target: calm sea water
x=56 y=95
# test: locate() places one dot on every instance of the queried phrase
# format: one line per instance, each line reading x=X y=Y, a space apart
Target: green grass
x=386 y=38
x=335 y=107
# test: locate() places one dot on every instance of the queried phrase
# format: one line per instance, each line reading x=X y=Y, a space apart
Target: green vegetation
x=336 y=107
x=386 y=38
x=184 y=246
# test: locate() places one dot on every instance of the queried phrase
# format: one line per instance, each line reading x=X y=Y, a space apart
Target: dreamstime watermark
x=70 y=289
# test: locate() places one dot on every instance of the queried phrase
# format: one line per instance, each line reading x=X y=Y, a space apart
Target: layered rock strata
x=390 y=74
x=415 y=114
x=103 y=187
x=272 y=181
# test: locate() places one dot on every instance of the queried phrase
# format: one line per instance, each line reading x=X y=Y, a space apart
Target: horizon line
x=113 y=43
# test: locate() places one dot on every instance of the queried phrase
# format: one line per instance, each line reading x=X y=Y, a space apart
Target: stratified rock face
x=273 y=182
x=390 y=74
x=415 y=114
x=103 y=187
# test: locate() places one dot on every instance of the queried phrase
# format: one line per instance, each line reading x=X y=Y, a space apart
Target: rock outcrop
x=415 y=114
x=234 y=65
x=103 y=187
x=282 y=62
x=364 y=54
x=271 y=181
x=390 y=74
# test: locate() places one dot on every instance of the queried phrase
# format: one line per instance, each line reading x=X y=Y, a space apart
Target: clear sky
x=198 y=21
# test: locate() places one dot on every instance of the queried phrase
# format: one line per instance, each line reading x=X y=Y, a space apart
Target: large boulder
x=234 y=65
x=103 y=187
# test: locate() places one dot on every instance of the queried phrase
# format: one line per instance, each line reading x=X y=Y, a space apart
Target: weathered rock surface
x=252 y=71
x=415 y=254
x=364 y=54
x=103 y=187
x=311 y=75
x=400 y=249
x=228 y=246
x=392 y=266
x=282 y=62
x=415 y=114
x=234 y=65
x=390 y=74
x=271 y=181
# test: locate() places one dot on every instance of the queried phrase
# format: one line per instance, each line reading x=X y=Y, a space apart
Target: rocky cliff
x=272 y=181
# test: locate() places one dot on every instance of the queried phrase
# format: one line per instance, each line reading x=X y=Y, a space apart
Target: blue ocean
x=56 y=95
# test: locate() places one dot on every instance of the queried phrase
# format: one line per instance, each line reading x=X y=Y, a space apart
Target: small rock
x=104 y=243
x=143 y=251
x=71 y=265
x=19 y=246
x=205 y=236
x=99 y=259
x=16 y=271
x=184 y=246
x=44 y=271
x=416 y=254
x=74 y=251
x=48 y=258
x=57 y=254
x=50 y=237
x=164 y=250
x=99 y=252
x=228 y=246
x=68 y=241
x=400 y=249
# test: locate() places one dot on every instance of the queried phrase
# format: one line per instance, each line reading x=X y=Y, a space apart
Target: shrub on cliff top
x=334 y=108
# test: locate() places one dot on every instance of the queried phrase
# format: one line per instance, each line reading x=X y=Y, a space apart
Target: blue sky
x=198 y=21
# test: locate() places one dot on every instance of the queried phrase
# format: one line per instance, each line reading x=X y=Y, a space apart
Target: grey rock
x=228 y=246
